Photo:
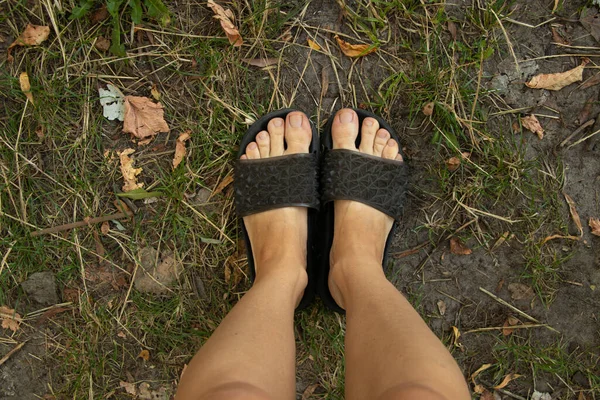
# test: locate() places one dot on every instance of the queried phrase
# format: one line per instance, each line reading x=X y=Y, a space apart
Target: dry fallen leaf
x=574 y=213
x=479 y=370
x=540 y=396
x=105 y=227
x=458 y=247
x=144 y=355
x=486 y=395
x=33 y=35
x=309 y=391
x=324 y=82
x=129 y=387
x=154 y=92
x=441 y=307
x=143 y=118
x=559 y=80
x=39 y=132
x=506 y=328
x=452 y=29
x=226 y=18
x=531 y=123
x=552 y=237
x=129 y=172
x=453 y=163
x=146 y=394
x=313 y=45
x=180 y=148
x=520 y=291
x=591 y=22
x=507 y=380
x=10 y=319
x=260 y=62
x=479 y=389
x=99 y=15
x=428 y=108
x=102 y=43
x=594 y=223
x=456 y=333
x=26 y=86
x=113 y=102
x=592 y=81
x=557 y=37
x=355 y=50
x=222 y=185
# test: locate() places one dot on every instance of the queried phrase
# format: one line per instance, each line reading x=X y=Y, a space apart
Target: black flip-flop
x=276 y=182
x=351 y=175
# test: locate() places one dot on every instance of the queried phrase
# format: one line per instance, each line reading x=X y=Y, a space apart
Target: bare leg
x=251 y=355
x=390 y=351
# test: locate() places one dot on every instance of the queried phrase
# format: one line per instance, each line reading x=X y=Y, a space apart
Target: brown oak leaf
x=143 y=118
x=531 y=123
x=226 y=18
x=33 y=35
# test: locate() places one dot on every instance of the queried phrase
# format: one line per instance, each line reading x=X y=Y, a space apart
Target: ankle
x=350 y=275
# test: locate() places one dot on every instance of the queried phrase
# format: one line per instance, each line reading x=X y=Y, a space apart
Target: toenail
x=346 y=117
x=278 y=122
x=262 y=135
x=392 y=143
x=369 y=122
x=296 y=120
x=252 y=146
x=382 y=134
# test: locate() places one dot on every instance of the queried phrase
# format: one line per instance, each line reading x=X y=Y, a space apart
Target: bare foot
x=279 y=236
x=360 y=231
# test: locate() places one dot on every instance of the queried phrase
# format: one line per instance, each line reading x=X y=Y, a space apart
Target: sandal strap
x=276 y=182
x=377 y=182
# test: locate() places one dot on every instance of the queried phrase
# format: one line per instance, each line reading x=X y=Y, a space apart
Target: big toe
x=344 y=129
x=298 y=133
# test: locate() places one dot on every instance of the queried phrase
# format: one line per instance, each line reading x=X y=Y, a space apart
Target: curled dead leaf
x=458 y=247
x=574 y=213
x=456 y=334
x=452 y=29
x=441 y=307
x=506 y=328
x=33 y=35
x=313 y=45
x=222 y=185
x=478 y=371
x=9 y=318
x=453 y=163
x=428 y=108
x=354 y=50
x=506 y=380
x=558 y=80
x=144 y=355
x=594 y=224
x=226 y=18
x=180 y=148
x=129 y=172
x=26 y=86
x=532 y=124
x=105 y=227
x=143 y=118
x=129 y=387
x=309 y=391
x=154 y=92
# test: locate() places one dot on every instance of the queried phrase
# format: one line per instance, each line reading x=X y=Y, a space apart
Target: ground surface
x=85 y=324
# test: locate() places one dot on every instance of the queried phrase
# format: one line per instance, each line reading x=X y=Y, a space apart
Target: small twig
x=499 y=328
x=576 y=131
x=85 y=222
x=409 y=252
x=508 y=42
x=515 y=309
x=13 y=351
x=584 y=138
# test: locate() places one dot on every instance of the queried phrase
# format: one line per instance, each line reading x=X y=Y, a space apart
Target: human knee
x=237 y=391
x=411 y=391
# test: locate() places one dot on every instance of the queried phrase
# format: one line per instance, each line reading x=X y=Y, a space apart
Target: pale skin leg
x=251 y=355
x=390 y=351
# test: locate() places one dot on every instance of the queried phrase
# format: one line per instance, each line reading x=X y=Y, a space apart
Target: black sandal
x=277 y=182
x=351 y=175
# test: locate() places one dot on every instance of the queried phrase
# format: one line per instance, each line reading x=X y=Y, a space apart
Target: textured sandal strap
x=269 y=183
x=379 y=183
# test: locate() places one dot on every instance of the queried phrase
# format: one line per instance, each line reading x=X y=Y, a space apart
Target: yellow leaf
x=25 y=86
x=144 y=355
x=313 y=45
x=594 y=223
x=355 y=50
x=129 y=172
x=224 y=183
x=479 y=370
x=33 y=35
x=559 y=80
x=155 y=93
x=180 y=148
x=531 y=123
x=10 y=319
x=143 y=118
x=456 y=333
x=507 y=380
x=225 y=17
